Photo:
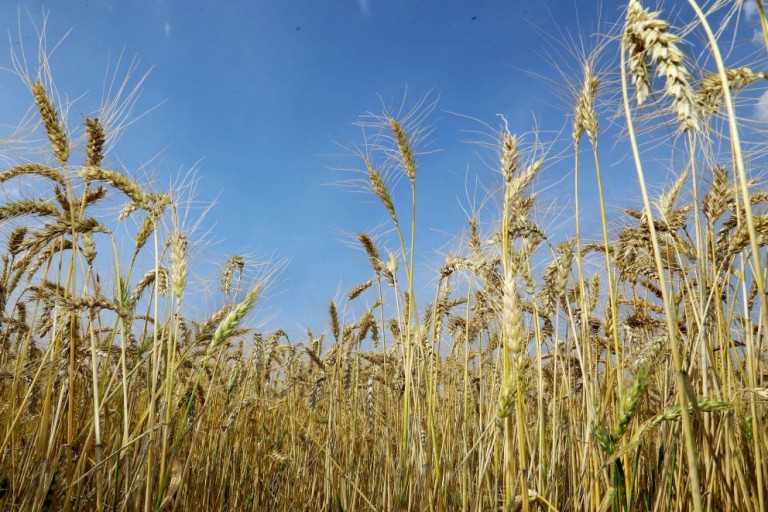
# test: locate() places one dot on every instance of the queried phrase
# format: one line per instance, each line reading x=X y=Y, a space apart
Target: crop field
x=623 y=368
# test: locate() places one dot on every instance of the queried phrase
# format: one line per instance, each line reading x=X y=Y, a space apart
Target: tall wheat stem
x=507 y=365
x=431 y=397
x=583 y=313
x=410 y=313
x=466 y=423
x=608 y=271
x=153 y=375
x=758 y=275
x=687 y=427
x=763 y=21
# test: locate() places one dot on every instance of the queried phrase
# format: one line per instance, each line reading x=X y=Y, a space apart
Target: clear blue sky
x=260 y=92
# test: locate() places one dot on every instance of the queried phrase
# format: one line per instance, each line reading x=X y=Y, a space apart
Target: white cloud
x=365 y=7
x=750 y=9
x=12 y=192
x=167 y=29
x=761 y=109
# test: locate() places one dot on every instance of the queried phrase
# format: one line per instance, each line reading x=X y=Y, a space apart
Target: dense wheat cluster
x=618 y=370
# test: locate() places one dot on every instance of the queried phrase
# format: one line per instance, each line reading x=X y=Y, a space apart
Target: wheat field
x=622 y=369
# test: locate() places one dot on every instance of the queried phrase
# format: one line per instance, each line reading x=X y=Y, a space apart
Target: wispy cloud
x=167 y=29
x=365 y=7
x=761 y=108
x=750 y=9
x=757 y=37
x=12 y=192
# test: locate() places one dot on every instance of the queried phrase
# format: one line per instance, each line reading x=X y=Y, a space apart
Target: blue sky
x=259 y=95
